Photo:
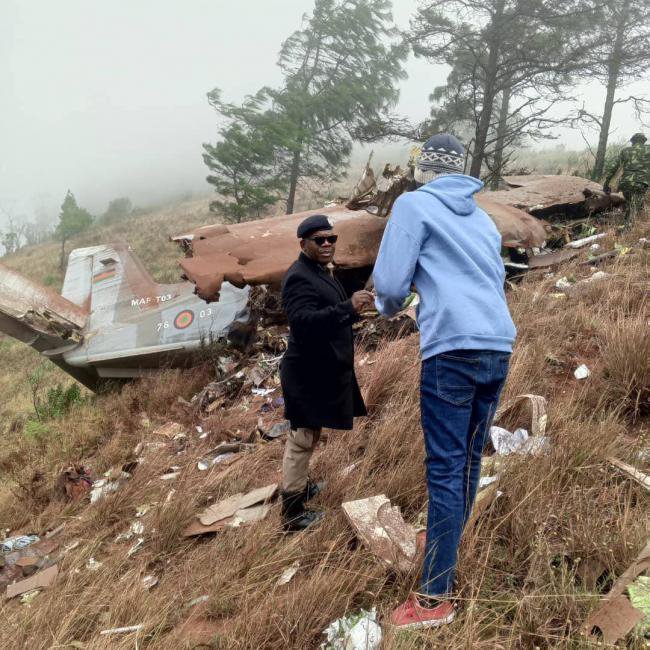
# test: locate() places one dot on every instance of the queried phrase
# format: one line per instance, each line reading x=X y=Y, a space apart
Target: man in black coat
x=317 y=371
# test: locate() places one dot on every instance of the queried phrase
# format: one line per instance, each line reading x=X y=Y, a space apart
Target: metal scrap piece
x=381 y=527
x=260 y=252
x=228 y=507
x=616 y=616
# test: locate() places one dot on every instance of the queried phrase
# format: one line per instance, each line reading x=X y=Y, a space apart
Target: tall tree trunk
x=489 y=93
x=613 y=70
x=501 y=138
x=293 y=180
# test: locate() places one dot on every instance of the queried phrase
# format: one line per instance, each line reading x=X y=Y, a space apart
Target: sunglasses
x=319 y=241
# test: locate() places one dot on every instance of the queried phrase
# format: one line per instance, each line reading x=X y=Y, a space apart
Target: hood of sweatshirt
x=456 y=191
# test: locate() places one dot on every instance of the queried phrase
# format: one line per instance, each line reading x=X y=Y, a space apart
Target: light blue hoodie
x=439 y=239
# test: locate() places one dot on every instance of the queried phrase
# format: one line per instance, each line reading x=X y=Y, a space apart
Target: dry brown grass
x=527 y=570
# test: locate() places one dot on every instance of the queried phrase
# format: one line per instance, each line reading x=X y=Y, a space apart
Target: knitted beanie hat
x=440 y=154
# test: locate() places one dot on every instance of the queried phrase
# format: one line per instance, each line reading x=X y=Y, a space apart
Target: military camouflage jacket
x=635 y=164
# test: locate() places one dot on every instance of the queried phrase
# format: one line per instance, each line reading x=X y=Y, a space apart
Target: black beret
x=312 y=224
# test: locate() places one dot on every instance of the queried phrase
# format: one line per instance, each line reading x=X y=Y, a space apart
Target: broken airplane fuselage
x=112 y=321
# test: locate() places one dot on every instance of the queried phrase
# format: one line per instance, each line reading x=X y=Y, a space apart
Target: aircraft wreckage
x=113 y=321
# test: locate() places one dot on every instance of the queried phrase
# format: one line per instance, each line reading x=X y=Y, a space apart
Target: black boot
x=313 y=489
x=294 y=515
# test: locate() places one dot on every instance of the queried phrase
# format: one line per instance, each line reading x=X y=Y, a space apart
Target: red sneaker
x=412 y=615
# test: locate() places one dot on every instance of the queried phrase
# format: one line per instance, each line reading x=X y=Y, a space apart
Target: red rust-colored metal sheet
x=545 y=195
x=260 y=252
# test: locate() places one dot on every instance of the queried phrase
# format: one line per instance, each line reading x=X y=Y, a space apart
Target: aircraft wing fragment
x=37 y=315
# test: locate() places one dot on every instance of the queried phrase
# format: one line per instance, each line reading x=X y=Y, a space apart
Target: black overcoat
x=317 y=370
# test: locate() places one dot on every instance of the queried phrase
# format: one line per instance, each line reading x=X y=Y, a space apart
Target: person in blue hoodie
x=439 y=241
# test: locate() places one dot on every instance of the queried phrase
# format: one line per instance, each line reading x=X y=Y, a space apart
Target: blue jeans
x=459 y=393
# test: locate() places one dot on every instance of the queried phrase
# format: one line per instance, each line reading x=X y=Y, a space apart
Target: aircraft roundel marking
x=184 y=319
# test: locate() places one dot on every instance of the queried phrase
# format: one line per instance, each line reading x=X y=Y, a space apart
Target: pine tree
x=72 y=221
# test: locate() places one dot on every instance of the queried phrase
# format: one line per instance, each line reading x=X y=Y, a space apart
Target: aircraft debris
x=234 y=511
x=136 y=528
x=287 y=574
x=149 y=582
x=631 y=472
x=581 y=372
x=359 y=631
x=512 y=409
x=225 y=453
x=43 y=578
x=517 y=442
x=75 y=482
x=616 y=616
x=382 y=529
x=129 y=629
x=557 y=196
x=581 y=243
x=103 y=487
x=18 y=542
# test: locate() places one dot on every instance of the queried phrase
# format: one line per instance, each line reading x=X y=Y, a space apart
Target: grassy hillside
x=528 y=569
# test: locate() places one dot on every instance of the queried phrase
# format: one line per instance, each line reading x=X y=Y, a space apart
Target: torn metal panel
x=518 y=229
x=550 y=195
x=260 y=252
x=381 y=527
x=616 y=616
x=37 y=315
x=552 y=258
x=228 y=507
x=632 y=472
x=43 y=578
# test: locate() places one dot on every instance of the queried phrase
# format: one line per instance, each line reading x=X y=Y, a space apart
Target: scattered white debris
x=93 y=564
x=358 y=631
x=598 y=275
x=101 y=488
x=594 y=247
x=197 y=601
x=123 y=630
x=288 y=574
x=262 y=392
x=581 y=372
x=136 y=528
x=28 y=596
x=484 y=481
x=143 y=510
x=579 y=243
x=149 y=582
x=136 y=547
x=517 y=442
x=206 y=463
x=16 y=543
x=563 y=283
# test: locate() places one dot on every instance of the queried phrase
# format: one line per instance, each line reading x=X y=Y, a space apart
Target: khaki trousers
x=297 y=453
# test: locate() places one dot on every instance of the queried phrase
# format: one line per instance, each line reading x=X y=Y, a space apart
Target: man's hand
x=362 y=300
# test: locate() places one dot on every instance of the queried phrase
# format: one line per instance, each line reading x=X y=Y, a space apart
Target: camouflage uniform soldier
x=635 y=179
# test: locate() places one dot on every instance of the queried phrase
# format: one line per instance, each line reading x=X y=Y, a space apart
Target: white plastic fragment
x=581 y=372
x=288 y=574
x=579 y=243
x=358 y=631
x=563 y=283
x=484 y=481
x=101 y=488
x=123 y=630
x=136 y=528
x=149 y=582
x=136 y=547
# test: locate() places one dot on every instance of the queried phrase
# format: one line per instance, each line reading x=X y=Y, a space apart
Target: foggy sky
x=109 y=98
